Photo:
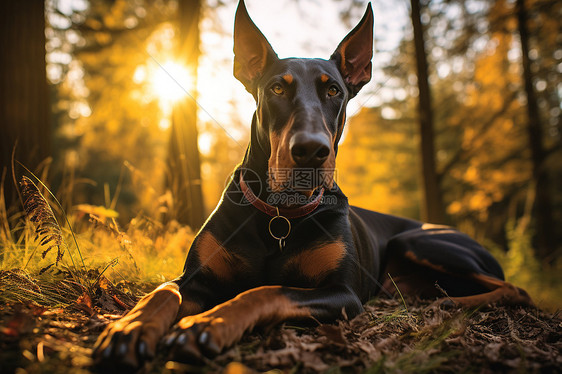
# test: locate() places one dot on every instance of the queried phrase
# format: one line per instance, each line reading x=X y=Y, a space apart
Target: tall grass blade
x=399 y=293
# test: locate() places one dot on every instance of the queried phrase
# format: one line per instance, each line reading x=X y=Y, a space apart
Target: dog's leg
x=501 y=292
x=422 y=258
x=210 y=332
x=133 y=339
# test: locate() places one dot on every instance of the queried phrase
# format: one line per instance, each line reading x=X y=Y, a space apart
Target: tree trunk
x=183 y=159
x=545 y=239
x=432 y=210
x=24 y=95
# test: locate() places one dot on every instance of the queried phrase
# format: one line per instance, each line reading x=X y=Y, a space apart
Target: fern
x=40 y=213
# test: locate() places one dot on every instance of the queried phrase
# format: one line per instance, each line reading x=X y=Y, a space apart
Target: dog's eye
x=277 y=89
x=333 y=91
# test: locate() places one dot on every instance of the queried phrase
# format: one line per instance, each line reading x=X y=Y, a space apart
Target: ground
x=391 y=336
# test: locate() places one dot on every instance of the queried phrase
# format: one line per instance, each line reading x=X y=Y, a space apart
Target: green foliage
x=542 y=281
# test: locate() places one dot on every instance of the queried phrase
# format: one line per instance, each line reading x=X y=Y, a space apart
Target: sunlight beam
x=170 y=82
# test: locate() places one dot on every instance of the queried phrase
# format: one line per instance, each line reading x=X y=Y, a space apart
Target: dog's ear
x=353 y=55
x=252 y=51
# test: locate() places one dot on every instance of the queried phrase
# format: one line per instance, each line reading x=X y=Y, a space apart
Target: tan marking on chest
x=215 y=258
x=316 y=263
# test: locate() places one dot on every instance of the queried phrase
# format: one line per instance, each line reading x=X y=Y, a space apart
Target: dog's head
x=301 y=102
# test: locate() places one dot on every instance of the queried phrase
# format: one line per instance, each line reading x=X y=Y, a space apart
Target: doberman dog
x=295 y=249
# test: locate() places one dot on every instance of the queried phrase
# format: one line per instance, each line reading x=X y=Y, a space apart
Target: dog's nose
x=309 y=149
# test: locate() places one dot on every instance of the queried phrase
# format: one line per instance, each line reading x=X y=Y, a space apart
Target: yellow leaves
x=454 y=208
x=472 y=175
x=476 y=203
x=479 y=202
x=511 y=24
x=93 y=23
x=486 y=184
x=378 y=165
x=468 y=137
x=96 y=210
x=505 y=124
x=492 y=74
x=493 y=163
x=496 y=101
x=115 y=17
x=102 y=38
x=112 y=126
x=382 y=198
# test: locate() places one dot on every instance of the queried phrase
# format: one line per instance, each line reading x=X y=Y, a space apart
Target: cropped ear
x=252 y=51
x=353 y=55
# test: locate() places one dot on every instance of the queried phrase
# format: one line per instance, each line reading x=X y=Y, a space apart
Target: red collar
x=272 y=211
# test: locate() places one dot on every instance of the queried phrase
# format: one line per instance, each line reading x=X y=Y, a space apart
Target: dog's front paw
x=126 y=344
x=202 y=335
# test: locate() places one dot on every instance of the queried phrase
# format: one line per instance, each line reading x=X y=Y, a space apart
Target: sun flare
x=171 y=82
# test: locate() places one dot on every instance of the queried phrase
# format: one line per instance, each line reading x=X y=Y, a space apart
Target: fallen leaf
x=84 y=303
x=334 y=334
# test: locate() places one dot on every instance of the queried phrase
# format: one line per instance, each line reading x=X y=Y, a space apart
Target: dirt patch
x=385 y=338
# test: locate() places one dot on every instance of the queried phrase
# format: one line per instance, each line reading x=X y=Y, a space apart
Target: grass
x=143 y=256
